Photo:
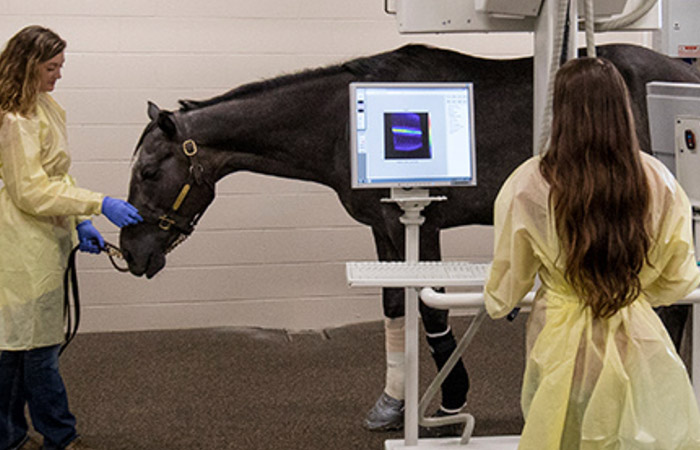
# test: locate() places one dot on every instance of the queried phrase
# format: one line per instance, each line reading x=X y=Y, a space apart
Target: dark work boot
x=28 y=443
x=78 y=444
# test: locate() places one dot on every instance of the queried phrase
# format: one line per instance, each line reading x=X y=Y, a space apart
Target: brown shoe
x=31 y=444
x=78 y=444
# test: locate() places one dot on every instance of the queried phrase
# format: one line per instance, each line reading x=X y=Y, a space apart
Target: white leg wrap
x=395 y=347
x=452 y=411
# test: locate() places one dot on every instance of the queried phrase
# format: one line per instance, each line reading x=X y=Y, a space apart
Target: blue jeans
x=31 y=377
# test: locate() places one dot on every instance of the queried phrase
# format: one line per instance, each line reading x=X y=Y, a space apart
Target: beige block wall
x=269 y=252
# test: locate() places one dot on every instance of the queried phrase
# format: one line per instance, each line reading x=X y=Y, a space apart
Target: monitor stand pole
x=412 y=202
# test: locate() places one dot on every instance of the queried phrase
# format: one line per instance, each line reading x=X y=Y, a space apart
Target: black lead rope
x=70 y=285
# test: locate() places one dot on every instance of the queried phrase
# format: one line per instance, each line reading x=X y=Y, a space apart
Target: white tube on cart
x=476 y=299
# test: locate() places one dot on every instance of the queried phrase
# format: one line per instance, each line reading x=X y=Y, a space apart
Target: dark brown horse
x=264 y=127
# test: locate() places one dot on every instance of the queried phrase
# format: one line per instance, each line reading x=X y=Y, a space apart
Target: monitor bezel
x=462 y=85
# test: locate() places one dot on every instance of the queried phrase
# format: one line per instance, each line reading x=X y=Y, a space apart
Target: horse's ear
x=164 y=119
x=167 y=123
x=153 y=111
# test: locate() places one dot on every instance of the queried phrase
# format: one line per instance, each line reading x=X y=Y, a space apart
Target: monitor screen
x=412 y=135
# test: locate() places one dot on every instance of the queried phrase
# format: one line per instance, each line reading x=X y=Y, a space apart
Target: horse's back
x=640 y=66
x=496 y=158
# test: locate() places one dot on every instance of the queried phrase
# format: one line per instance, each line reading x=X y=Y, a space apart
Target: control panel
x=687 y=134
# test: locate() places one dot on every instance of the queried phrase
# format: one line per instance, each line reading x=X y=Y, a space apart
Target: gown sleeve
x=673 y=260
x=26 y=181
x=515 y=265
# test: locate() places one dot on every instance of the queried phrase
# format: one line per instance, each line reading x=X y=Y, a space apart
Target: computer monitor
x=405 y=135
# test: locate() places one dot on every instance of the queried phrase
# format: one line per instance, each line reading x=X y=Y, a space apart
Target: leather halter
x=172 y=218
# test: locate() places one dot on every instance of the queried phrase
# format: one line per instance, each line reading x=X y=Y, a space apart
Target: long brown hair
x=19 y=77
x=598 y=189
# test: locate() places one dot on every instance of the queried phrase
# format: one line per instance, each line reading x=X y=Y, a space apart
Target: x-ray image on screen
x=407 y=135
x=412 y=134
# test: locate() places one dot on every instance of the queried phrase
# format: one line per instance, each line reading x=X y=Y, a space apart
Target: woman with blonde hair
x=40 y=207
x=608 y=230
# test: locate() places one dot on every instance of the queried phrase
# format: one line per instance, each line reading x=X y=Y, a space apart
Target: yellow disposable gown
x=614 y=383
x=39 y=205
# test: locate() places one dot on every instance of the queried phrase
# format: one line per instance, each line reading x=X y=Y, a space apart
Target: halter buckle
x=189 y=147
x=165 y=222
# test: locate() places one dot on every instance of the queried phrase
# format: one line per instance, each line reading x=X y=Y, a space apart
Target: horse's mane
x=380 y=66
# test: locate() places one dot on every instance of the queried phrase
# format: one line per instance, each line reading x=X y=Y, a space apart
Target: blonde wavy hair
x=19 y=61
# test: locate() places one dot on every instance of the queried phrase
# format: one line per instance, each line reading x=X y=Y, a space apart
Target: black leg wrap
x=456 y=385
x=674 y=318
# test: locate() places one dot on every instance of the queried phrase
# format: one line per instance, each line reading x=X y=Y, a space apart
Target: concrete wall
x=269 y=252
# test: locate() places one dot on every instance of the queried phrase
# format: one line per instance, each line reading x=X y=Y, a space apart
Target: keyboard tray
x=416 y=274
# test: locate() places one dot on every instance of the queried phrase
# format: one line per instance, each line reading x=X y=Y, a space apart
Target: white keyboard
x=416 y=274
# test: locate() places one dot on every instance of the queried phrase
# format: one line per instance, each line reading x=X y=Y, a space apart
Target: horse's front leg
x=387 y=413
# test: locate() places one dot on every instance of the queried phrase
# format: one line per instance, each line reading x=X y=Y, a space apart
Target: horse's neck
x=265 y=135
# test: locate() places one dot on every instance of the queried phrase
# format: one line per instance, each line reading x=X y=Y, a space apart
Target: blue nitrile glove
x=119 y=212
x=90 y=239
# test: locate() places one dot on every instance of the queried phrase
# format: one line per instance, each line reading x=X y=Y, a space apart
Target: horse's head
x=171 y=187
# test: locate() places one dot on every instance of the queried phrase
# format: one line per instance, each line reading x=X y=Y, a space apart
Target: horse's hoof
x=386 y=415
x=452 y=430
x=441 y=431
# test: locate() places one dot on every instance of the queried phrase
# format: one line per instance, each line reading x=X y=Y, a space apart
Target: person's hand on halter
x=120 y=212
x=90 y=239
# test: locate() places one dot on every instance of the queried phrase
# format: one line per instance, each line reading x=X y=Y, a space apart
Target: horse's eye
x=149 y=173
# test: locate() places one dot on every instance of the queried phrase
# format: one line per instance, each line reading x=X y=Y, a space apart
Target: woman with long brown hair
x=41 y=209
x=608 y=230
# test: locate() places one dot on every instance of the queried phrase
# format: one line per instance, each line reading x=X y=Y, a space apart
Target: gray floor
x=265 y=389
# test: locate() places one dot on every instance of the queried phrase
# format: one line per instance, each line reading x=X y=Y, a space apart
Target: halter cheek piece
x=172 y=218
